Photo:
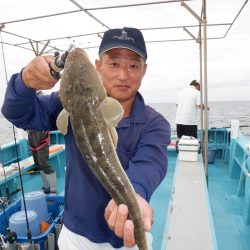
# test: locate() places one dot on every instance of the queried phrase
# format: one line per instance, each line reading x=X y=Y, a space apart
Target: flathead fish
x=93 y=118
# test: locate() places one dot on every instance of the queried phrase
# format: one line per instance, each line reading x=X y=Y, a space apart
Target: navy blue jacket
x=143 y=138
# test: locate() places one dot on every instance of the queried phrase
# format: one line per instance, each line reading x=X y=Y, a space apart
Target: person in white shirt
x=188 y=103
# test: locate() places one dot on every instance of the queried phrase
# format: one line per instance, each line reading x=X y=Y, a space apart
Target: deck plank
x=190 y=226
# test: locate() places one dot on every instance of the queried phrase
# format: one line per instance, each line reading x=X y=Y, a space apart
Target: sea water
x=220 y=115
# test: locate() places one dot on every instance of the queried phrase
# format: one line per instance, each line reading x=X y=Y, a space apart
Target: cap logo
x=124 y=36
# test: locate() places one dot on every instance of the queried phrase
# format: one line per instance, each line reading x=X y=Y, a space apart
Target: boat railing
x=245 y=167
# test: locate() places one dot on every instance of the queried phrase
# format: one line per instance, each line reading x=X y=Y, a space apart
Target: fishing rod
x=7 y=191
x=3 y=205
x=11 y=236
x=29 y=235
x=56 y=66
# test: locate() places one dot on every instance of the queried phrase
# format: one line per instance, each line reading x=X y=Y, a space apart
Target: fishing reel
x=11 y=236
x=58 y=64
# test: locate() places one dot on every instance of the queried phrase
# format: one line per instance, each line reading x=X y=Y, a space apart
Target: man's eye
x=115 y=65
x=134 y=66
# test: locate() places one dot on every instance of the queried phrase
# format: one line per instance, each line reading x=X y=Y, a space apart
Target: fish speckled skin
x=82 y=95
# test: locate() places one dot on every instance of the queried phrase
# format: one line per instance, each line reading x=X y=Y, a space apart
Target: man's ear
x=145 y=69
x=97 y=65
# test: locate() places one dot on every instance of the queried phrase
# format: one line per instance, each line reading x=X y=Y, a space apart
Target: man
x=91 y=219
x=188 y=103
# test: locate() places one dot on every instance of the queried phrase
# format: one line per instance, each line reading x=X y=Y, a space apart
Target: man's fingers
x=112 y=219
x=117 y=219
x=148 y=218
x=37 y=74
x=110 y=207
x=111 y=214
x=122 y=215
x=128 y=236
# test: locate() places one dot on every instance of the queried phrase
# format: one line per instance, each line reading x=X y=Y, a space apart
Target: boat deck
x=228 y=191
x=33 y=182
x=231 y=230
x=160 y=201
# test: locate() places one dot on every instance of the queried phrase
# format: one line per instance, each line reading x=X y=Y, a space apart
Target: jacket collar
x=137 y=114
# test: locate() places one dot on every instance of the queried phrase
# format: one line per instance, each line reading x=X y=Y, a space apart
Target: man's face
x=121 y=71
x=197 y=87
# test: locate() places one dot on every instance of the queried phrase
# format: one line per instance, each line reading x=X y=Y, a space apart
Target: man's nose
x=123 y=73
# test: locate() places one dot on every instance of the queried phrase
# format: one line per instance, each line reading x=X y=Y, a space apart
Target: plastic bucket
x=17 y=223
x=36 y=201
x=211 y=154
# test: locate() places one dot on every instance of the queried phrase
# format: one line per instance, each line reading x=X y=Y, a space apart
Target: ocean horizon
x=219 y=116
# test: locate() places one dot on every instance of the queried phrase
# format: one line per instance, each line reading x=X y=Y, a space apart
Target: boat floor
x=33 y=182
x=160 y=201
x=232 y=233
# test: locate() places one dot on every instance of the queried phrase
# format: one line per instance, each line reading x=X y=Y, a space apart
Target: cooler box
x=188 y=148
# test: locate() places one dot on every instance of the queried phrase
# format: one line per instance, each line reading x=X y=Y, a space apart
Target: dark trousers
x=41 y=156
x=41 y=159
x=188 y=130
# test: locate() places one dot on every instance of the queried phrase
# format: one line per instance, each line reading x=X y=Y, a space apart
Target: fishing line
x=5 y=69
x=6 y=78
x=29 y=236
x=22 y=189
x=4 y=173
x=3 y=203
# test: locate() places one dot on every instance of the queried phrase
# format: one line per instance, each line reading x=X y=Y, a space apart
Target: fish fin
x=112 y=111
x=114 y=136
x=62 y=121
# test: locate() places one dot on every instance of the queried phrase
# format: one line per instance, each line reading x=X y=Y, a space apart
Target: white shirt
x=69 y=240
x=187 y=110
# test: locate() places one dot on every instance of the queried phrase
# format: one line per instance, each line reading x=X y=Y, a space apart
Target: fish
x=93 y=117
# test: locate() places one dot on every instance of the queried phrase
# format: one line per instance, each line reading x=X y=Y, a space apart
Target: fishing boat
x=204 y=200
x=190 y=211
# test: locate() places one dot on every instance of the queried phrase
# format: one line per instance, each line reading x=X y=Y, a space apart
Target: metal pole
x=198 y=40
x=58 y=228
x=201 y=88
x=51 y=241
x=205 y=87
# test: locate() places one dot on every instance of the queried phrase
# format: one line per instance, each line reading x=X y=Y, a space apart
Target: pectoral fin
x=112 y=111
x=62 y=121
x=114 y=136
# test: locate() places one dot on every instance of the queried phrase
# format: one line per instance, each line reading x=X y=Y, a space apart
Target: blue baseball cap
x=128 y=38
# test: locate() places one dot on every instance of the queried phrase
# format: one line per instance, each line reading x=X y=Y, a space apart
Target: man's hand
x=37 y=74
x=202 y=106
x=117 y=219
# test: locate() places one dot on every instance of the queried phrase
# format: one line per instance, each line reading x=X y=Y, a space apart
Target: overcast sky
x=171 y=65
